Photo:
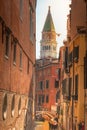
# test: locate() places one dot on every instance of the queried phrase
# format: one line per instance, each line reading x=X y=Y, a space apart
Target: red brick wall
x=11 y=77
x=15 y=81
x=78 y=15
x=48 y=73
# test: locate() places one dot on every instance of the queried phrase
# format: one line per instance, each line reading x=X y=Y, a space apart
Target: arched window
x=19 y=106
x=13 y=105
x=4 y=107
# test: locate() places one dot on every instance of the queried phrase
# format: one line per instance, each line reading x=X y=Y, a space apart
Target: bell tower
x=48 y=42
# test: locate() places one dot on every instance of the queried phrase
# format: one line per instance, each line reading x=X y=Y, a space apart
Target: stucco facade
x=72 y=102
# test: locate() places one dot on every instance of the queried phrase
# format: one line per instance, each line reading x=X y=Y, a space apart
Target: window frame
x=7 y=44
x=21 y=9
x=20 y=64
x=14 y=51
x=47 y=84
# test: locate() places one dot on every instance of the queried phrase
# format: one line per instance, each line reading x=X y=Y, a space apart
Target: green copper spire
x=49 y=25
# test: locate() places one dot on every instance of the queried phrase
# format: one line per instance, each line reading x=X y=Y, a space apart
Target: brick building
x=47 y=84
x=76 y=18
x=17 y=58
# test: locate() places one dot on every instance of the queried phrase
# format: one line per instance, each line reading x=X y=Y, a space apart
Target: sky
x=59 y=10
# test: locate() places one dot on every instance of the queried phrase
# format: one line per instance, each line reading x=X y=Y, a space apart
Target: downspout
x=85 y=75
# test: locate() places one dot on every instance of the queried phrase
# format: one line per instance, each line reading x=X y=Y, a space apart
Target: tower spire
x=48 y=42
x=49 y=8
x=49 y=25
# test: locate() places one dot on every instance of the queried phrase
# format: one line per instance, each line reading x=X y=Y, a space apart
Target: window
x=46 y=47
x=7 y=44
x=49 y=47
x=57 y=96
x=70 y=58
x=47 y=83
x=43 y=98
x=28 y=67
x=70 y=86
x=76 y=87
x=64 y=86
x=59 y=73
x=56 y=83
x=76 y=53
x=14 y=52
x=19 y=106
x=13 y=105
x=3 y=31
x=66 y=61
x=20 y=58
x=39 y=100
x=4 y=107
x=41 y=85
x=21 y=8
x=47 y=98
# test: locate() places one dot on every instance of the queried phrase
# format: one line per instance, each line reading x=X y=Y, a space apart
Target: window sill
x=6 y=57
x=21 y=19
x=14 y=63
x=20 y=68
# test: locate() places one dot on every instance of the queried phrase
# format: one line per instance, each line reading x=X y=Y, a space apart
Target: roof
x=49 y=25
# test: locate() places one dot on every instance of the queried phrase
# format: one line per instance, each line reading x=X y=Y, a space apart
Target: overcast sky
x=59 y=11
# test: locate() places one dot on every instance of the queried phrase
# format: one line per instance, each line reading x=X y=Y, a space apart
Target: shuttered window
x=76 y=85
x=76 y=53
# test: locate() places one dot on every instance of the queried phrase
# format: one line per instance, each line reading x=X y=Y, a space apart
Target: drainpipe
x=33 y=92
x=85 y=76
x=73 y=89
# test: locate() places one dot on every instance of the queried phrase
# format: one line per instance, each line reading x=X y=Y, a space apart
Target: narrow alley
x=43 y=64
